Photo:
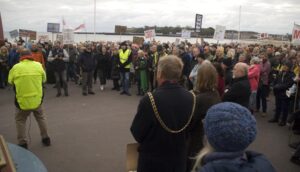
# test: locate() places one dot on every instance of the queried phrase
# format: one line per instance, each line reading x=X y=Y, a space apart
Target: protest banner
x=186 y=34
x=177 y=41
x=53 y=27
x=219 y=33
x=120 y=29
x=149 y=33
x=14 y=33
x=68 y=36
x=296 y=35
x=198 y=22
x=27 y=34
x=138 y=40
x=43 y=38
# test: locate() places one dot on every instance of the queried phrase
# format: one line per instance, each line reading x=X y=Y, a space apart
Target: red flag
x=82 y=26
x=1 y=32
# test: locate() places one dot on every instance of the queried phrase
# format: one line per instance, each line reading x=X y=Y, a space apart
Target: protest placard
x=68 y=36
x=296 y=35
x=149 y=33
x=219 y=33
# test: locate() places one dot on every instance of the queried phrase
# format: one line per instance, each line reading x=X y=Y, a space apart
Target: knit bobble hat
x=229 y=127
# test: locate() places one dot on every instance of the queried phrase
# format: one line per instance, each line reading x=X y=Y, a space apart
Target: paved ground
x=90 y=133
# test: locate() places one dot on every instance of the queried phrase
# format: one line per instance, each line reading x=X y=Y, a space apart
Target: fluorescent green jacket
x=27 y=77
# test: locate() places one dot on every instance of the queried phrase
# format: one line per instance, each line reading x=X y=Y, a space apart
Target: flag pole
x=94 y=20
x=239 y=35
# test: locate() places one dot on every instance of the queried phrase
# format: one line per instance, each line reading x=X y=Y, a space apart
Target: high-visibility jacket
x=27 y=77
x=124 y=57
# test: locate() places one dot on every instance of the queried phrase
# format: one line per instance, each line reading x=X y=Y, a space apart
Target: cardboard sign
x=198 y=22
x=296 y=35
x=43 y=38
x=186 y=34
x=14 y=33
x=138 y=40
x=68 y=36
x=120 y=29
x=53 y=27
x=149 y=33
x=219 y=33
x=27 y=33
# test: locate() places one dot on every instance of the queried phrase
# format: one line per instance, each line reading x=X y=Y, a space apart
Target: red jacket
x=253 y=76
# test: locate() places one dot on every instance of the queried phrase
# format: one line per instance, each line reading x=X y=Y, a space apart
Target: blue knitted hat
x=229 y=127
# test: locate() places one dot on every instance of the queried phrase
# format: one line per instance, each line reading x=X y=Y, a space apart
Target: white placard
x=68 y=36
x=149 y=33
x=296 y=35
x=185 y=34
x=219 y=33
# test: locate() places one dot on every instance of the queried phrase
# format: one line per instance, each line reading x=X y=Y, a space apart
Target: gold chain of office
x=154 y=107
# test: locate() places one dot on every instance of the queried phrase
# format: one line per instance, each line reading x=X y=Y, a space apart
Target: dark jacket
x=115 y=71
x=228 y=76
x=282 y=83
x=87 y=61
x=159 y=150
x=236 y=162
x=239 y=92
x=102 y=61
x=204 y=101
x=186 y=64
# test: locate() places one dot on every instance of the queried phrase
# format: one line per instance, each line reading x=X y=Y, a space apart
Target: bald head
x=240 y=70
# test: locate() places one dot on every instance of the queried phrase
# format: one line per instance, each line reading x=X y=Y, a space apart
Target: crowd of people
x=244 y=75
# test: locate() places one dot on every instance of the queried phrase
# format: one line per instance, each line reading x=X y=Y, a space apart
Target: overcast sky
x=271 y=16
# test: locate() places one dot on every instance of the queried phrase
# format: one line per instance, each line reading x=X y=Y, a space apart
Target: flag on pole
x=82 y=26
x=63 y=21
x=1 y=32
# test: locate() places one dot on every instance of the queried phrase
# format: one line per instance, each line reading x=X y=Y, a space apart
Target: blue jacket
x=87 y=61
x=236 y=162
x=13 y=58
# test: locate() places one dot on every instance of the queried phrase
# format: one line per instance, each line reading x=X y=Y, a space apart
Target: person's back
x=163 y=149
x=27 y=77
x=237 y=162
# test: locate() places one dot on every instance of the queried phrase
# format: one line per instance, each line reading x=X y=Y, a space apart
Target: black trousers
x=261 y=97
x=282 y=108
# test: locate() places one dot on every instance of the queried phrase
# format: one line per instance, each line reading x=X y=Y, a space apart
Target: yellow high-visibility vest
x=124 y=57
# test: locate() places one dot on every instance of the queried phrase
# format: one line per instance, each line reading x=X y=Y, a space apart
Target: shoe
x=123 y=92
x=294 y=145
x=273 y=120
x=46 y=141
x=24 y=145
x=295 y=160
x=264 y=114
x=58 y=94
x=101 y=87
x=114 y=88
x=128 y=94
x=282 y=123
x=66 y=94
x=91 y=92
x=84 y=94
x=117 y=89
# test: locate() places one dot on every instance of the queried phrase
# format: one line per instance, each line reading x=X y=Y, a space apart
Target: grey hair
x=170 y=67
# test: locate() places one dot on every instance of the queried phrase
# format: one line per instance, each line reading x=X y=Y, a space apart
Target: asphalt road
x=90 y=133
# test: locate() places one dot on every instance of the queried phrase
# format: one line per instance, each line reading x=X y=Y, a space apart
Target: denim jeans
x=125 y=81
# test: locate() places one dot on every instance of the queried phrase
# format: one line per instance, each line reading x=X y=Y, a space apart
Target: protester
x=163 y=136
x=73 y=59
x=230 y=129
x=141 y=65
x=263 y=89
x=125 y=58
x=283 y=82
x=194 y=73
x=253 y=76
x=207 y=95
x=239 y=91
x=37 y=55
x=58 y=56
x=87 y=63
x=28 y=77
x=102 y=58
x=221 y=80
x=14 y=56
x=227 y=67
x=115 y=73
x=152 y=61
x=3 y=66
